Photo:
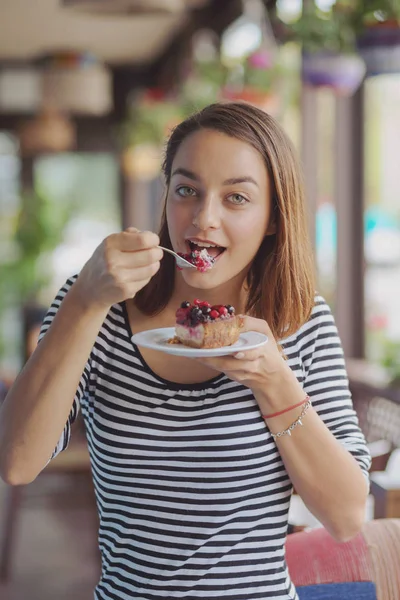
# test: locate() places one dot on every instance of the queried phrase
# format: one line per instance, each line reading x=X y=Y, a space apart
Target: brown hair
x=281 y=279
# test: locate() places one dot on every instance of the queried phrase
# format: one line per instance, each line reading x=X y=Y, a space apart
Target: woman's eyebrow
x=246 y=179
x=232 y=181
x=186 y=173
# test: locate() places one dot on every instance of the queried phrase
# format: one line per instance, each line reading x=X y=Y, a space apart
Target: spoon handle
x=181 y=262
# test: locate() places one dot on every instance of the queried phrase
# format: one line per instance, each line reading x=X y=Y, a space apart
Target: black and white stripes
x=192 y=494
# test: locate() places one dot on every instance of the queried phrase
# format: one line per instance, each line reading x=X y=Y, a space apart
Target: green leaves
x=38 y=230
x=337 y=29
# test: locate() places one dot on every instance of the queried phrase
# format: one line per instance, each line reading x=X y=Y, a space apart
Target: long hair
x=280 y=281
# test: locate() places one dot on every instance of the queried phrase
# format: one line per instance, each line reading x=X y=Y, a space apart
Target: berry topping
x=201 y=311
x=200 y=259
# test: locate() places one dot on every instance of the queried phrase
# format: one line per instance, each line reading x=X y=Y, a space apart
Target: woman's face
x=219 y=194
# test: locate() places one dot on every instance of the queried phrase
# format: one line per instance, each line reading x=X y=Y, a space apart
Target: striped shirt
x=192 y=493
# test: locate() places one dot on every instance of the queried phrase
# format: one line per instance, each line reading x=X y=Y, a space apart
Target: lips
x=213 y=250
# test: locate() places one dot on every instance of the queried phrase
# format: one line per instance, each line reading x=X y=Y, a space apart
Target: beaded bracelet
x=295 y=423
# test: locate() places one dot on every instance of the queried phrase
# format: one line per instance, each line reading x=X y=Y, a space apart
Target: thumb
x=253 y=324
x=132 y=230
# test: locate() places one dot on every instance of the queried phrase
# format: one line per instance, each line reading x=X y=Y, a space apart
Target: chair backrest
x=373 y=555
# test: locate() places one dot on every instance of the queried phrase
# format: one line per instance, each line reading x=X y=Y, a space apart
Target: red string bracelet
x=285 y=410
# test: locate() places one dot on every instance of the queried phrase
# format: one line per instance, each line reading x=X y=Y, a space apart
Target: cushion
x=315 y=557
x=338 y=591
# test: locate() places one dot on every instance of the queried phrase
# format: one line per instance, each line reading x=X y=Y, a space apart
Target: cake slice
x=200 y=325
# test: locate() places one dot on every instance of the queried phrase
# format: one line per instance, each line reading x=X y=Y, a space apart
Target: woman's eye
x=185 y=190
x=237 y=199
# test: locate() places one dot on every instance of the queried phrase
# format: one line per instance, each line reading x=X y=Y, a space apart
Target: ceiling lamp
x=76 y=83
x=133 y=7
x=49 y=131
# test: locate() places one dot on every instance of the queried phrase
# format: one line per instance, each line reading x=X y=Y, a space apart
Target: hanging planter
x=341 y=72
x=328 y=39
x=379 y=46
x=256 y=80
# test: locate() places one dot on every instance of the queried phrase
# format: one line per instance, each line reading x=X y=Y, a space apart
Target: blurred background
x=89 y=89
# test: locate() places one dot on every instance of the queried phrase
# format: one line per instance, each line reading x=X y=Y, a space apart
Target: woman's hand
x=121 y=266
x=263 y=370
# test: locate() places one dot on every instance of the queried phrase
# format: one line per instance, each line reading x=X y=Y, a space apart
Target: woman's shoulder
x=321 y=309
x=116 y=311
x=320 y=316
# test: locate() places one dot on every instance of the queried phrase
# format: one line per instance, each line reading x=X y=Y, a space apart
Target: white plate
x=157 y=339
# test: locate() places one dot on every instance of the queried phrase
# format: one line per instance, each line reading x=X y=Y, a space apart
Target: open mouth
x=202 y=255
x=211 y=250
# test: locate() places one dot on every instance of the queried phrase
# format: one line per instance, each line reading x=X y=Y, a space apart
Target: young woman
x=193 y=485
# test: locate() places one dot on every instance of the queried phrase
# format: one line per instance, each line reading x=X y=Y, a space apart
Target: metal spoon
x=181 y=262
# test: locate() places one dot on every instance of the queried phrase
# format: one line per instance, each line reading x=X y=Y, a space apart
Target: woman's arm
x=324 y=473
x=37 y=407
x=326 y=458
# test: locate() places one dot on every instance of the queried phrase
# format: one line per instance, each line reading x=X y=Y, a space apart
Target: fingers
x=132 y=240
x=139 y=273
x=140 y=258
x=226 y=364
x=253 y=324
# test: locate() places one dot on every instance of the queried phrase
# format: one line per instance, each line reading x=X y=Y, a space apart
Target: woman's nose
x=207 y=215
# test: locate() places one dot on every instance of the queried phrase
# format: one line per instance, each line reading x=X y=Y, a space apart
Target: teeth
x=204 y=245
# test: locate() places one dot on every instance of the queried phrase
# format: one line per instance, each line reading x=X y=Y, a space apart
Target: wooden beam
x=309 y=155
x=349 y=197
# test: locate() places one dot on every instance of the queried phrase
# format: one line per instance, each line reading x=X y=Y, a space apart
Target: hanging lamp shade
x=49 y=131
x=132 y=6
x=75 y=82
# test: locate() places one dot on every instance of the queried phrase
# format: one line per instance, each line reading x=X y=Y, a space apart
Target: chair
x=368 y=566
x=74 y=460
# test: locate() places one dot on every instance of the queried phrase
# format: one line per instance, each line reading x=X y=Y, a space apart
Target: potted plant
x=24 y=271
x=256 y=80
x=152 y=115
x=329 y=44
x=378 y=42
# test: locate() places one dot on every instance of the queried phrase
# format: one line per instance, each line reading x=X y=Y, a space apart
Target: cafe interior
x=89 y=90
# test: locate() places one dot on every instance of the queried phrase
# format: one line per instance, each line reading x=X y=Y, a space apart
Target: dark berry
x=230 y=308
x=206 y=310
x=185 y=304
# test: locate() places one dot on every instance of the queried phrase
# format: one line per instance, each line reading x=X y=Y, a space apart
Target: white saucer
x=157 y=339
